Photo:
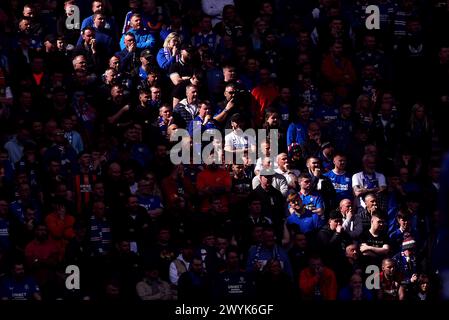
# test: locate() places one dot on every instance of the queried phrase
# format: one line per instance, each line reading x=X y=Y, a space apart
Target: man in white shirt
x=283 y=168
x=237 y=142
x=279 y=182
x=368 y=180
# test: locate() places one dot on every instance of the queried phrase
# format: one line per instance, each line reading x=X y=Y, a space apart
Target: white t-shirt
x=238 y=141
x=369 y=181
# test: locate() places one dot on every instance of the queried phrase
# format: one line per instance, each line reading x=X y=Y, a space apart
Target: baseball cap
x=50 y=37
x=187 y=47
x=267 y=172
x=408 y=243
x=325 y=145
x=333 y=215
x=146 y=54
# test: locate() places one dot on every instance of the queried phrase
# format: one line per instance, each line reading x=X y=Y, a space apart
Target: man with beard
x=19 y=286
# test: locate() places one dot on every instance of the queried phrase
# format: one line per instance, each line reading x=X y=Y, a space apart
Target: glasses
x=230 y=92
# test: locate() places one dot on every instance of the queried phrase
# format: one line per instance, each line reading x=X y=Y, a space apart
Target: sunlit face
x=340 y=162
x=345 y=206
x=165 y=112
x=377 y=223
x=388 y=268
x=97 y=7
x=136 y=22
x=352 y=251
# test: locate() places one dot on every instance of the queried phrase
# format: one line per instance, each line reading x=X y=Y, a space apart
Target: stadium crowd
x=92 y=94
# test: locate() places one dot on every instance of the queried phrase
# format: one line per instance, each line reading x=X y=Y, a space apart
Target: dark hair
x=304 y=175
x=88 y=28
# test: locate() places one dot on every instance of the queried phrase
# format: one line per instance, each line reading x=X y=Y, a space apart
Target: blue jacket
x=110 y=25
x=296 y=132
x=307 y=222
x=144 y=39
x=263 y=254
x=164 y=60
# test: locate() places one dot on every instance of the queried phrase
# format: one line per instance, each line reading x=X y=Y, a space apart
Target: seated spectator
x=317 y=282
x=234 y=277
x=355 y=291
x=182 y=263
x=259 y=255
x=19 y=285
x=374 y=242
x=274 y=284
x=195 y=285
x=352 y=222
x=151 y=287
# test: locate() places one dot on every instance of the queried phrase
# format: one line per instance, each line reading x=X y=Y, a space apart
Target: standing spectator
x=341 y=180
x=374 y=242
x=187 y=109
x=368 y=181
x=264 y=94
x=143 y=38
x=332 y=239
x=183 y=68
x=98 y=7
x=272 y=199
x=206 y=36
x=214 y=9
x=60 y=225
x=338 y=70
x=297 y=130
x=311 y=199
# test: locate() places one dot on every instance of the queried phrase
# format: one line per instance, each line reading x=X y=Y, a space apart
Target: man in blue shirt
x=98 y=7
x=307 y=221
x=310 y=199
x=297 y=131
x=259 y=255
x=206 y=35
x=19 y=286
x=341 y=180
x=144 y=39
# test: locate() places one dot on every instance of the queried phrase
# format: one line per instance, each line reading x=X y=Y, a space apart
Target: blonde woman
x=169 y=53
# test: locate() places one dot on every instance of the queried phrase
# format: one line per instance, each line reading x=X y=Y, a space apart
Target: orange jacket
x=213 y=179
x=327 y=284
x=342 y=75
x=264 y=95
x=60 y=228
